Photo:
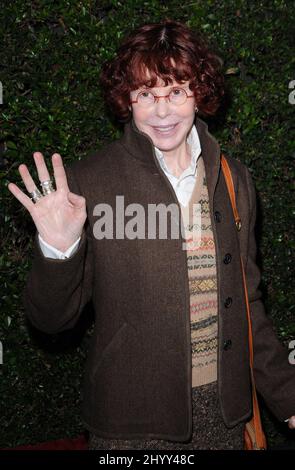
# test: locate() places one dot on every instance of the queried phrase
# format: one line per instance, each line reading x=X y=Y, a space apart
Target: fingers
x=26 y=177
x=29 y=182
x=58 y=168
x=59 y=172
x=25 y=200
x=43 y=173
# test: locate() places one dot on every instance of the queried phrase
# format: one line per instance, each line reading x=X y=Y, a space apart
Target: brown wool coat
x=138 y=374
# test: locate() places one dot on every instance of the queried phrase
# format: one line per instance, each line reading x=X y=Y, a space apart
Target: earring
x=196 y=109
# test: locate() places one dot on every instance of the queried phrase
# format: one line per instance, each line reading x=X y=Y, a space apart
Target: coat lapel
x=141 y=147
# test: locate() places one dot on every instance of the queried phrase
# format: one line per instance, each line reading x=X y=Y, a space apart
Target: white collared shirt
x=184 y=184
x=183 y=187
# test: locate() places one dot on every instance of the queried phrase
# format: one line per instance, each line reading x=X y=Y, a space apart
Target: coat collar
x=140 y=146
x=195 y=147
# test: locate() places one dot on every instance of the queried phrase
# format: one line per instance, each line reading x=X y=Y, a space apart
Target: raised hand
x=59 y=216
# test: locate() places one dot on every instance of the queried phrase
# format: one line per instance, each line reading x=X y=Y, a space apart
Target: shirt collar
x=195 y=147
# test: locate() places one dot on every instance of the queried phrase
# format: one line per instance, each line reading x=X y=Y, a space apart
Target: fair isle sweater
x=201 y=263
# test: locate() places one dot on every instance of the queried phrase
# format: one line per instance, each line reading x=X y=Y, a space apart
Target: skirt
x=209 y=431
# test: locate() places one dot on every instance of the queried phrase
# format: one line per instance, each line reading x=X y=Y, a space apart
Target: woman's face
x=163 y=114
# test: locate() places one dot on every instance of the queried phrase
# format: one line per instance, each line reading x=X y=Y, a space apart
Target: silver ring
x=47 y=187
x=35 y=195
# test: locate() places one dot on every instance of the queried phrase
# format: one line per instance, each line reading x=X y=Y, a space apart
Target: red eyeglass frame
x=157 y=97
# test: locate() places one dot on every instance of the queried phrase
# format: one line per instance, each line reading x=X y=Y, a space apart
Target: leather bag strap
x=256 y=413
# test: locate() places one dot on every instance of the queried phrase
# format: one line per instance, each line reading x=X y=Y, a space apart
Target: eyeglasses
x=176 y=96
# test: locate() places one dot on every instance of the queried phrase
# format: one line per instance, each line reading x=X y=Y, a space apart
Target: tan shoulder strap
x=256 y=413
x=231 y=190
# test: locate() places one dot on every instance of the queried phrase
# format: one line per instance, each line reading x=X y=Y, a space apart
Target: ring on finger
x=35 y=195
x=47 y=187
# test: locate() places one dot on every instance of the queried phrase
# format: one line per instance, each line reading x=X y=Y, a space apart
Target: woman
x=168 y=367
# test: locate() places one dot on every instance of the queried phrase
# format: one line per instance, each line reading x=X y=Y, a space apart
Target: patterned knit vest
x=201 y=263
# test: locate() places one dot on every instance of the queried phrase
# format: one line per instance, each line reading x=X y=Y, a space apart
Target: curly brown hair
x=151 y=47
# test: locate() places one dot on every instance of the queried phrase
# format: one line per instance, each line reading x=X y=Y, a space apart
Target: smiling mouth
x=164 y=129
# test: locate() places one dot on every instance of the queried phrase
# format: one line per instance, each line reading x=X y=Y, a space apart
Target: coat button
x=228 y=302
x=227 y=344
x=227 y=258
x=217 y=216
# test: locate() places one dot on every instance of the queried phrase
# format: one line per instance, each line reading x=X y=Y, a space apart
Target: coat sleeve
x=274 y=375
x=57 y=290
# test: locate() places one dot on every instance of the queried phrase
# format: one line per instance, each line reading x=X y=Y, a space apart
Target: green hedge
x=50 y=60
